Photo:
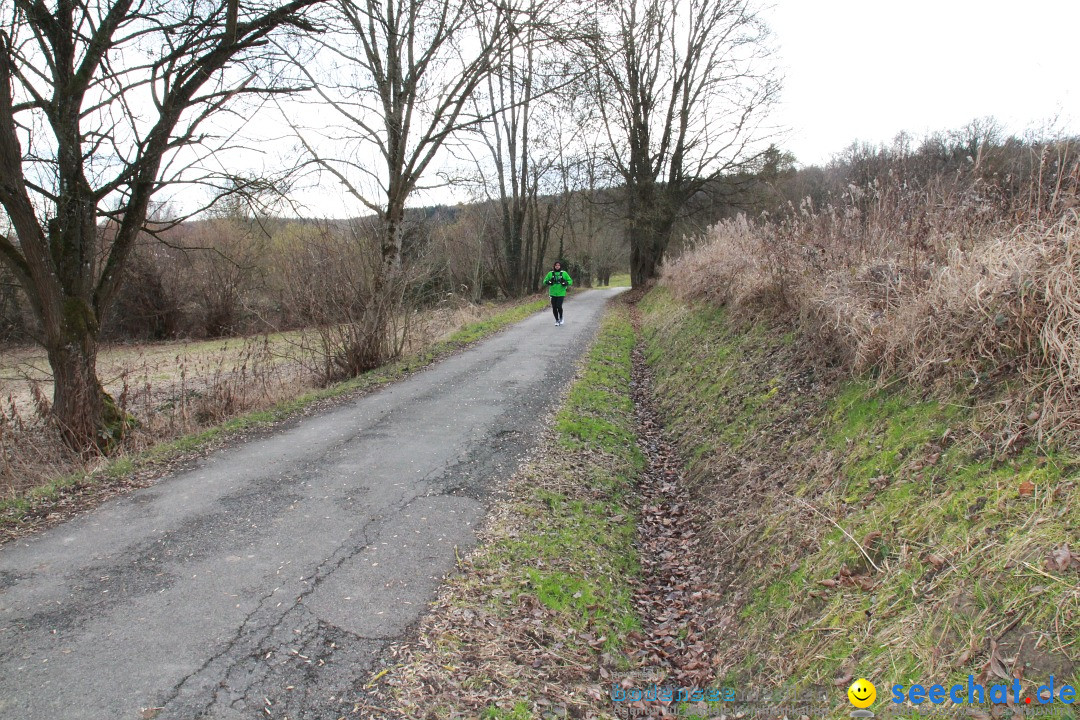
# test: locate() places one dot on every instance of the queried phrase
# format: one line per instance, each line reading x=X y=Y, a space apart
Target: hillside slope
x=859 y=528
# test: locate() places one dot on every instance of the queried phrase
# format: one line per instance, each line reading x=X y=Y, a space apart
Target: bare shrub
x=354 y=303
x=225 y=262
x=148 y=306
x=939 y=283
x=31 y=448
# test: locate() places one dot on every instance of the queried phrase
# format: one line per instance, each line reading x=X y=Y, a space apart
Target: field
x=183 y=393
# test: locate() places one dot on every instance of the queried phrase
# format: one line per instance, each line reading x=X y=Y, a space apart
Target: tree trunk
x=513 y=243
x=643 y=263
x=650 y=220
x=86 y=414
x=391 y=237
x=370 y=343
x=587 y=272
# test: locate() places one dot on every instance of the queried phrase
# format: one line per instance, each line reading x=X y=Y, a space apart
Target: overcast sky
x=865 y=70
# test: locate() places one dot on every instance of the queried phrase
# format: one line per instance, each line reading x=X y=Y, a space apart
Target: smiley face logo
x=862 y=693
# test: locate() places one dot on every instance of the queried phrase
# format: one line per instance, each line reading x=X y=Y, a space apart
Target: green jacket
x=557 y=283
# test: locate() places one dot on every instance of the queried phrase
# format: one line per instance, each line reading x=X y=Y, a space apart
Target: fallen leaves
x=1061 y=559
x=674 y=593
x=996 y=665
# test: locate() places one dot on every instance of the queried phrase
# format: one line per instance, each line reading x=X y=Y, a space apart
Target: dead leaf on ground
x=1027 y=488
x=1060 y=559
x=996 y=665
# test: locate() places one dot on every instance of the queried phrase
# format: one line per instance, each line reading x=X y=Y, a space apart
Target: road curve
x=266 y=580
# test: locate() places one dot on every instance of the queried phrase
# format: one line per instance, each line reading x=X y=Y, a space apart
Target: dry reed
x=941 y=285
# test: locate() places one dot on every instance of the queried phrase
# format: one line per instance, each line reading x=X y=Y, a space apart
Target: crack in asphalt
x=255 y=639
x=253 y=651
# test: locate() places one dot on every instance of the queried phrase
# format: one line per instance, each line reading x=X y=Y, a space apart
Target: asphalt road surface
x=265 y=581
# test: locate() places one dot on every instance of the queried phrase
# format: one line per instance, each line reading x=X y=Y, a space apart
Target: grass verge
x=66 y=493
x=536 y=617
x=867 y=530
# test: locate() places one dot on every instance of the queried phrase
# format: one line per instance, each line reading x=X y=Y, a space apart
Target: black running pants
x=556 y=307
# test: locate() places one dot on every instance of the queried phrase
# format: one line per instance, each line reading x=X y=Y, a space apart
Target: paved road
x=266 y=580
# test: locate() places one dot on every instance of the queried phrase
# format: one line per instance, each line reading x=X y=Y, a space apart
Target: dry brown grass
x=936 y=286
x=171 y=389
x=31 y=450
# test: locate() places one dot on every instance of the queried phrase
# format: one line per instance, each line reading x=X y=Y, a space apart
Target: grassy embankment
x=861 y=528
x=545 y=600
x=41 y=498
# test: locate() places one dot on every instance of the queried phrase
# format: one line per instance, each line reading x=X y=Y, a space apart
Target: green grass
x=15 y=510
x=593 y=415
x=579 y=554
x=960 y=551
x=520 y=711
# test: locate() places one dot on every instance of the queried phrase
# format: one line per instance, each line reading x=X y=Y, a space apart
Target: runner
x=557 y=282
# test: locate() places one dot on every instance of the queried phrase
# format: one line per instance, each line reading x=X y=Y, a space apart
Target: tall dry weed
x=943 y=284
x=31 y=450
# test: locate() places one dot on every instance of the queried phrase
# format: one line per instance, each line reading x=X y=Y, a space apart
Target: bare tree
x=396 y=78
x=342 y=305
x=680 y=98
x=521 y=104
x=509 y=104
x=101 y=105
x=589 y=225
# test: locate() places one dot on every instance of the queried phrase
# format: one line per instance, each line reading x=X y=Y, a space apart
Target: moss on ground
x=871 y=529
